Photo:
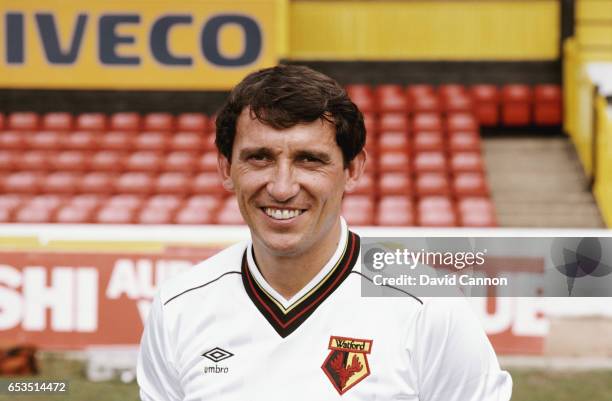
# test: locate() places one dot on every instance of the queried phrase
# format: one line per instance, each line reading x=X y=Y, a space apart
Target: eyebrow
x=263 y=151
x=248 y=152
x=324 y=157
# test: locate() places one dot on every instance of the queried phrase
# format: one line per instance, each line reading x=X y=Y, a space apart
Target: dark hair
x=286 y=95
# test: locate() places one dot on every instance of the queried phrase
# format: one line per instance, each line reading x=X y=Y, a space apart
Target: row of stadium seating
x=510 y=105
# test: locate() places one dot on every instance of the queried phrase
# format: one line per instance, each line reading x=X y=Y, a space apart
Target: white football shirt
x=220 y=332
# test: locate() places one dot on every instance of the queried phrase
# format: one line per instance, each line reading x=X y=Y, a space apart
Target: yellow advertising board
x=113 y=44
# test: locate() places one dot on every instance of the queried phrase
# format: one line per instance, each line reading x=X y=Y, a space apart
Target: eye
x=309 y=159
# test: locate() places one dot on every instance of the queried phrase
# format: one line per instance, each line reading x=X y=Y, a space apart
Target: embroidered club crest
x=347 y=362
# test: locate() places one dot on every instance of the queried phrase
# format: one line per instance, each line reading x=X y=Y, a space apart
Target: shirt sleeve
x=156 y=373
x=453 y=357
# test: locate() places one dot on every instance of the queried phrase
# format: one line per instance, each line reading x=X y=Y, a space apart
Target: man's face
x=289 y=183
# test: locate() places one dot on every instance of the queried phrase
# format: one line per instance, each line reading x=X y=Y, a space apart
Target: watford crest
x=347 y=362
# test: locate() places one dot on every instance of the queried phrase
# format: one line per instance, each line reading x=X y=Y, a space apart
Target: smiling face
x=289 y=183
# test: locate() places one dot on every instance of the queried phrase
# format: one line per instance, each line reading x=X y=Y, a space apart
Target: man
x=281 y=317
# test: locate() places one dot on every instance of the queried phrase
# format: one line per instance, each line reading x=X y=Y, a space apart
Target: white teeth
x=282 y=214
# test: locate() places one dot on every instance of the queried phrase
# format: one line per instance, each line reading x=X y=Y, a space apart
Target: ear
x=224 y=167
x=354 y=171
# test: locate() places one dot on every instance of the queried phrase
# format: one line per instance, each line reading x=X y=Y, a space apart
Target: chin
x=282 y=244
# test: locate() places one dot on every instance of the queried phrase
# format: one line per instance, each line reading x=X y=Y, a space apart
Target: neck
x=288 y=274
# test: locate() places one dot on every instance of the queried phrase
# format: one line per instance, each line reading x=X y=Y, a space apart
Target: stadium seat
x=61 y=182
x=91 y=122
x=362 y=96
x=428 y=141
x=466 y=162
x=439 y=218
x=192 y=122
x=391 y=98
x=29 y=214
x=2 y=121
x=516 y=105
x=69 y=160
x=485 y=100
x=464 y=141
x=358 y=210
x=397 y=122
x=8 y=160
x=114 y=215
x=87 y=201
x=125 y=121
x=548 y=105
x=371 y=124
x=418 y=90
x=400 y=215
x=74 y=214
x=458 y=103
x=173 y=183
x=477 y=219
x=12 y=140
x=186 y=141
x=389 y=162
x=164 y=201
x=150 y=140
x=395 y=184
x=461 y=122
x=207 y=183
x=144 y=161
x=97 y=183
x=449 y=90
x=426 y=104
x=34 y=160
x=208 y=162
x=475 y=204
x=57 y=122
x=180 y=161
x=126 y=201
x=207 y=202
x=79 y=140
x=116 y=140
x=429 y=162
x=229 y=212
x=44 y=140
x=23 y=121
x=428 y=184
x=162 y=122
x=470 y=184
x=427 y=122
x=365 y=185
x=23 y=182
x=107 y=160
x=208 y=143
x=393 y=142
x=135 y=183
x=150 y=215
x=434 y=203
x=193 y=215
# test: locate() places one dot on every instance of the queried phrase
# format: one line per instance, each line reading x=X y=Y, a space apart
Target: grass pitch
x=529 y=385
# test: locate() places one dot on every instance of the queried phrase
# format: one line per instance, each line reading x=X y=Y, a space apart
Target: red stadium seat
x=434 y=203
x=449 y=90
x=135 y=183
x=186 y=141
x=70 y=160
x=91 y=122
x=192 y=122
x=154 y=141
x=107 y=160
x=57 y=121
x=358 y=210
x=430 y=162
x=486 y=104
x=8 y=160
x=180 y=161
x=29 y=214
x=464 y=141
x=391 y=98
x=193 y=215
x=461 y=122
x=428 y=184
x=125 y=121
x=419 y=90
x=12 y=140
x=395 y=184
x=362 y=96
x=35 y=160
x=440 y=218
x=163 y=122
x=365 y=185
x=46 y=201
x=97 y=183
x=475 y=205
x=371 y=124
x=208 y=162
x=207 y=202
x=516 y=105
x=478 y=219
x=427 y=122
x=173 y=183
x=44 y=140
x=164 y=201
x=389 y=162
x=208 y=143
x=155 y=216
x=393 y=142
x=394 y=201
x=458 y=103
x=116 y=140
x=114 y=215
x=2 y=121
x=548 y=105
x=466 y=162
x=144 y=161
x=80 y=140
x=73 y=214
x=470 y=184
x=207 y=183
x=61 y=182
x=400 y=215
x=426 y=104
x=127 y=201
x=23 y=121
x=428 y=141
x=229 y=212
x=23 y=182
x=397 y=122
x=87 y=201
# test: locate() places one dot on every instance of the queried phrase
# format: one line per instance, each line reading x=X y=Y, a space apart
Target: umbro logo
x=217 y=354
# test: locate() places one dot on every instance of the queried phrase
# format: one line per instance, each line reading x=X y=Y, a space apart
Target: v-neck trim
x=286 y=316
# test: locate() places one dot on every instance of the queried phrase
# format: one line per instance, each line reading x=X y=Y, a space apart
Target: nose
x=282 y=185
